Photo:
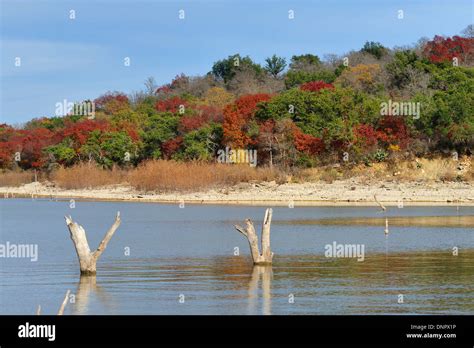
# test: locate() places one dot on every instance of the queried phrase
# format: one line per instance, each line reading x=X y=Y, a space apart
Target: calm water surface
x=190 y=252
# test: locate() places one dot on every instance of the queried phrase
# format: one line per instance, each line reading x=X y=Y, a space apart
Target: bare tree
x=284 y=146
x=137 y=97
x=468 y=31
x=266 y=257
x=150 y=85
x=88 y=259
x=199 y=85
x=267 y=143
x=332 y=60
x=245 y=81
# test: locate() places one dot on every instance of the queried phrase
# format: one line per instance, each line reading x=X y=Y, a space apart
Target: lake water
x=178 y=254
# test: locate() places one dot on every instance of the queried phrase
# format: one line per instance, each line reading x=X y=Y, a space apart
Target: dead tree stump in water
x=266 y=257
x=88 y=259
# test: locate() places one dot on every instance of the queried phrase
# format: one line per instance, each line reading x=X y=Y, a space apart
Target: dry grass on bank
x=430 y=170
x=169 y=175
x=87 y=175
x=421 y=170
x=14 y=178
x=161 y=175
x=469 y=176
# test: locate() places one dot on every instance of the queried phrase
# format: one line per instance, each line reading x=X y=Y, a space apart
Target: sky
x=83 y=58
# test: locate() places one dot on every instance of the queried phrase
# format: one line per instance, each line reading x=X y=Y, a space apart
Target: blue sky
x=83 y=58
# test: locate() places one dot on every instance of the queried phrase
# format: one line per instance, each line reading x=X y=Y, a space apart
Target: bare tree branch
x=63 y=305
x=380 y=204
x=88 y=259
x=266 y=256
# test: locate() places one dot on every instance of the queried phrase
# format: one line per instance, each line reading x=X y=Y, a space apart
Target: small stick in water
x=386 y=226
x=61 y=309
x=63 y=305
x=380 y=204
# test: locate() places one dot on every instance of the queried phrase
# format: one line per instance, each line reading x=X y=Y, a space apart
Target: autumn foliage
x=237 y=117
x=309 y=115
x=393 y=130
x=201 y=116
x=315 y=86
x=390 y=130
x=25 y=146
x=307 y=143
x=442 y=49
x=366 y=135
x=171 y=146
x=111 y=102
x=79 y=132
x=171 y=104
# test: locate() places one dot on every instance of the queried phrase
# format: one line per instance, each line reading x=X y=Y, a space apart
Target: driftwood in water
x=88 y=259
x=379 y=203
x=264 y=258
x=63 y=305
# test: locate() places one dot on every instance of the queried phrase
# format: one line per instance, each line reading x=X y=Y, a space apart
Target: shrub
x=380 y=155
x=315 y=86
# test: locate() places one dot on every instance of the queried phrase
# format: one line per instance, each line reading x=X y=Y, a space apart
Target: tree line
x=301 y=113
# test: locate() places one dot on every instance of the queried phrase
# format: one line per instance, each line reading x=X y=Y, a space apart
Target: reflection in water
x=264 y=273
x=87 y=289
x=433 y=282
x=175 y=253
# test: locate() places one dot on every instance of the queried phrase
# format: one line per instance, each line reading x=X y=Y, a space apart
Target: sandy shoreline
x=339 y=193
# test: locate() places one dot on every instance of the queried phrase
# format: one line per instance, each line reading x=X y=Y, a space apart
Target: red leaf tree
x=442 y=49
x=366 y=135
x=393 y=130
x=171 y=146
x=28 y=143
x=237 y=117
x=202 y=115
x=307 y=143
x=315 y=86
x=111 y=102
x=78 y=132
x=171 y=104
